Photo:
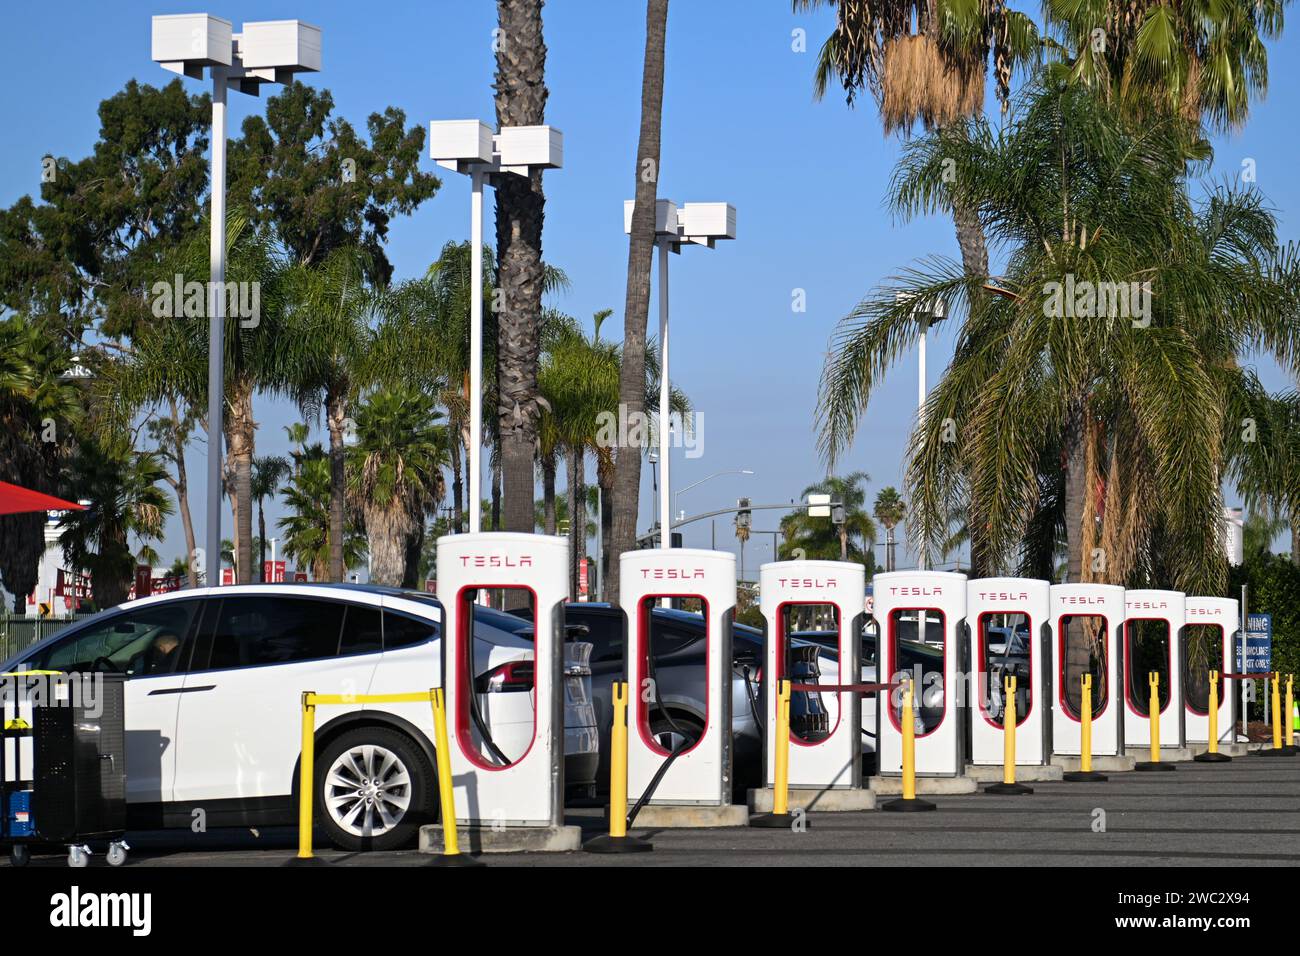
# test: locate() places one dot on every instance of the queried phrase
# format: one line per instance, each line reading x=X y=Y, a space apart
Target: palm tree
x=332 y=359
x=924 y=62
x=305 y=528
x=1077 y=191
x=889 y=509
x=396 y=474
x=297 y=433
x=1198 y=60
x=520 y=101
x=34 y=393
x=121 y=486
x=632 y=374
x=268 y=472
x=818 y=538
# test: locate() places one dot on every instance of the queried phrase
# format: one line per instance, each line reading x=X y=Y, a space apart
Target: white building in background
x=1233 y=535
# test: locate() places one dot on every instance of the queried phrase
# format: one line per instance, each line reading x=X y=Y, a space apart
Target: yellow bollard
x=1212 y=755
x=908 y=802
x=1153 y=713
x=617 y=841
x=780 y=817
x=1277 y=713
x=1009 y=724
x=306 y=784
x=451 y=855
x=1290 y=708
x=1085 y=773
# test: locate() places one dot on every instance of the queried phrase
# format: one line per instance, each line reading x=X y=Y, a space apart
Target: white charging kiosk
x=921 y=615
x=832 y=760
x=1159 y=616
x=1008 y=621
x=1087 y=638
x=528 y=791
x=701 y=774
x=1222 y=619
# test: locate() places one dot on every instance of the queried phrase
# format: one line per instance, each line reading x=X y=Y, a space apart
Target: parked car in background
x=215 y=678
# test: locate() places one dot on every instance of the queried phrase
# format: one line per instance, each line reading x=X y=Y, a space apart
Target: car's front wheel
x=374 y=789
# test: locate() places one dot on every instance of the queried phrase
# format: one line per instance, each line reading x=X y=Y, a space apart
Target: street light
x=718 y=474
x=927 y=312
x=269 y=51
x=470 y=147
x=694 y=223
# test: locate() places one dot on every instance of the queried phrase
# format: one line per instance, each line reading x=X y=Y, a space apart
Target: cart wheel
x=20 y=855
x=116 y=854
x=78 y=856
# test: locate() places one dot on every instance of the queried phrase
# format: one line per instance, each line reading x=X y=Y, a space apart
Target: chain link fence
x=19 y=633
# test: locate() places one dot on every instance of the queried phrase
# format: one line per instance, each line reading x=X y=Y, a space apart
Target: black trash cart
x=63 y=764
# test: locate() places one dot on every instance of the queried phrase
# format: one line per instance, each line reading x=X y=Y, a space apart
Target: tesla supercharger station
x=528 y=792
x=1221 y=614
x=700 y=776
x=833 y=761
x=904 y=601
x=1095 y=613
x=1167 y=610
x=993 y=606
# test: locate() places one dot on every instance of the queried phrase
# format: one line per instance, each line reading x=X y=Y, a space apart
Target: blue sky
x=740 y=125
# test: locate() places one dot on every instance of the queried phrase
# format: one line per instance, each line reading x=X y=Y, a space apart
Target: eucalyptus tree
x=1107 y=352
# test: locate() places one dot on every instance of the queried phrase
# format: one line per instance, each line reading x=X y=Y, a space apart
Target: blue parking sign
x=1259 y=645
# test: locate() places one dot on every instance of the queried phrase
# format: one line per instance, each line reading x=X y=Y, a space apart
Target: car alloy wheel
x=367 y=790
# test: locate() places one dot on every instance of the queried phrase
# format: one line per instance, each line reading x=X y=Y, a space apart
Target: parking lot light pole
x=470 y=147
x=699 y=223
x=927 y=313
x=268 y=51
x=716 y=474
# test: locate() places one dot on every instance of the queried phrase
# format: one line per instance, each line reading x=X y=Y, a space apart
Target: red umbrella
x=15 y=500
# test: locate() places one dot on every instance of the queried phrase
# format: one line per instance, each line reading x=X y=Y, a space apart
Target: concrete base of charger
x=830 y=800
x=560 y=839
x=930 y=786
x=1025 y=773
x=1167 y=754
x=666 y=817
x=1103 y=764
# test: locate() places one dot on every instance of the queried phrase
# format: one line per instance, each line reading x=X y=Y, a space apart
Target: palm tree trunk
x=414 y=549
x=457 y=486
x=239 y=438
x=520 y=205
x=336 y=419
x=548 y=493
x=606 y=529
x=1295 y=538
x=579 y=516
x=261 y=543
x=573 y=464
x=496 y=499
x=631 y=389
x=970 y=237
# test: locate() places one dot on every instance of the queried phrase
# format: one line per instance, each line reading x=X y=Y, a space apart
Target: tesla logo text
x=672 y=574
x=1003 y=596
x=1204 y=612
x=495 y=561
x=916 y=591
x=1148 y=605
x=807 y=583
x=1067 y=599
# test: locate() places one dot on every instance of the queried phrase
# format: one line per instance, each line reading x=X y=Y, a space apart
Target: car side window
x=251 y=631
x=362 y=630
x=604 y=633
x=403 y=631
x=138 y=643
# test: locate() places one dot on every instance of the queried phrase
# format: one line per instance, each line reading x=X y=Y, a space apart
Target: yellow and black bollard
x=780 y=818
x=306 y=776
x=617 y=840
x=1290 y=720
x=1153 y=712
x=908 y=802
x=451 y=855
x=1008 y=786
x=1212 y=755
x=1278 y=750
x=1085 y=773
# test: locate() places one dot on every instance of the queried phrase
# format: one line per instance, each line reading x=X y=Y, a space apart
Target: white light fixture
x=270 y=51
x=470 y=147
x=698 y=223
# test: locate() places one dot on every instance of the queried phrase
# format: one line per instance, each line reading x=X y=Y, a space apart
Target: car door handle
x=181 y=690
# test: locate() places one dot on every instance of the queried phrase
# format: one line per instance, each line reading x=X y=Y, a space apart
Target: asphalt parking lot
x=1244 y=813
